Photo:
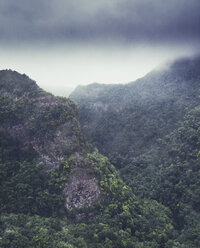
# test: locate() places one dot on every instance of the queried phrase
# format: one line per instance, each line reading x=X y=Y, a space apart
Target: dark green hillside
x=150 y=131
x=173 y=177
x=55 y=189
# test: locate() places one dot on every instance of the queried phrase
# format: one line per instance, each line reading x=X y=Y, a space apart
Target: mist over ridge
x=62 y=43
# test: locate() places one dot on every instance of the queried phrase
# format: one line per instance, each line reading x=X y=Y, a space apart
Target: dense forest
x=149 y=129
x=56 y=190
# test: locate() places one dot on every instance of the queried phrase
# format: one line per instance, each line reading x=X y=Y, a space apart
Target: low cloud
x=104 y=21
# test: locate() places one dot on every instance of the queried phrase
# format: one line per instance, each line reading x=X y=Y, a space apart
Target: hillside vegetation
x=56 y=190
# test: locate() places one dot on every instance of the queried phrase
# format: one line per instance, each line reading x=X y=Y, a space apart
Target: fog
x=61 y=43
x=59 y=69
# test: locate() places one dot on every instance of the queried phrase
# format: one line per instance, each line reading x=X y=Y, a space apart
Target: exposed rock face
x=82 y=190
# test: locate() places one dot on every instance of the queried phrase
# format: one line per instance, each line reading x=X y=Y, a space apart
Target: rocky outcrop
x=82 y=189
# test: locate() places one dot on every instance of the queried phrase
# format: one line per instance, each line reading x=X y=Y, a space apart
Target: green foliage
x=174 y=178
x=21 y=231
x=24 y=188
x=121 y=219
x=48 y=119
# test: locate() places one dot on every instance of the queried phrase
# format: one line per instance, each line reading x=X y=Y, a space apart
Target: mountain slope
x=27 y=113
x=58 y=191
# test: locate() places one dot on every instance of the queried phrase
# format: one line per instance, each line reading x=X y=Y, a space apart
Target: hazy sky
x=62 y=43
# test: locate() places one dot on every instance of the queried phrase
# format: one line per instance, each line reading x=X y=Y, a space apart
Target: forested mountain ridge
x=56 y=190
x=150 y=131
x=29 y=113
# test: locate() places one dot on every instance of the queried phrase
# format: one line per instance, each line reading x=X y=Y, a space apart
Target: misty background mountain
x=169 y=90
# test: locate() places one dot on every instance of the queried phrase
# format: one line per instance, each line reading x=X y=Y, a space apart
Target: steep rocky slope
x=46 y=129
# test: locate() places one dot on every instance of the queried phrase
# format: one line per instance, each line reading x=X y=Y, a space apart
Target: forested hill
x=150 y=131
x=56 y=190
x=40 y=122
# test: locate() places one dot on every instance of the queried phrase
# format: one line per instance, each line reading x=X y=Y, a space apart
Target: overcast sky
x=62 y=43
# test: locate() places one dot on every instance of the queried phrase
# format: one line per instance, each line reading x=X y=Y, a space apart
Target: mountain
x=149 y=129
x=56 y=190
